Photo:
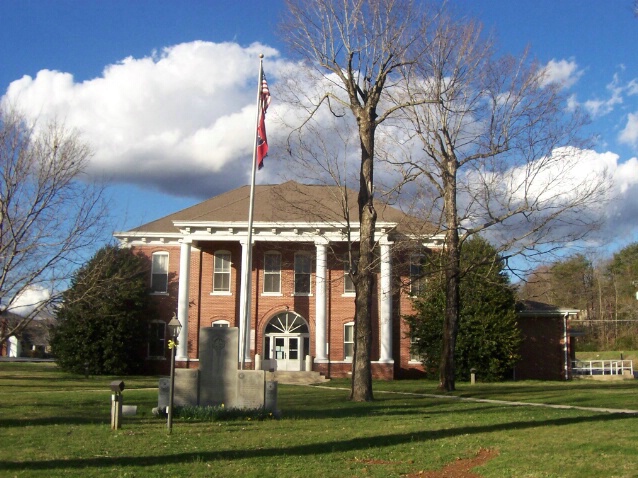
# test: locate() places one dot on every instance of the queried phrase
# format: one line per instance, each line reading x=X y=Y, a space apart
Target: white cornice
x=435 y=241
x=148 y=238
x=206 y=231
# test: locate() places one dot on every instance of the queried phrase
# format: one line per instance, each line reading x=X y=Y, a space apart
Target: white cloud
x=178 y=120
x=29 y=300
x=181 y=121
x=567 y=174
x=563 y=72
x=626 y=177
x=629 y=134
x=632 y=87
x=621 y=210
x=597 y=107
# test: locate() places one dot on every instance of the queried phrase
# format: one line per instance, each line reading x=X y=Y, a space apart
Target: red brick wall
x=264 y=307
x=205 y=307
x=402 y=306
x=542 y=351
x=380 y=371
x=165 y=304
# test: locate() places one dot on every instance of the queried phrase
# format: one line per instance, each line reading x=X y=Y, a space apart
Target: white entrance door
x=286 y=352
x=286 y=342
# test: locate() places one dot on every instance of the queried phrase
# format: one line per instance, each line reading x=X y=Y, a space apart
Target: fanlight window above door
x=287 y=323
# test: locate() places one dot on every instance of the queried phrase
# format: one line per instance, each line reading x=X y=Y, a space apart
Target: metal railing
x=602 y=367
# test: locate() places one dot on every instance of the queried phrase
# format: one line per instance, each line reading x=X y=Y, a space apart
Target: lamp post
x=174 y=328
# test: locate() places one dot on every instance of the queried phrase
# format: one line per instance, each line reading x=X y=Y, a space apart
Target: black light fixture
x=174 y=327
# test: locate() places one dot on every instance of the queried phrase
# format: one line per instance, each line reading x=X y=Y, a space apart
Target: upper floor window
x=417 y=279
x=303 y=269
x=221 y=272
x=348 y=284
x=220 y=323
x=272 y=273
x=159 y=272
x=156 y=339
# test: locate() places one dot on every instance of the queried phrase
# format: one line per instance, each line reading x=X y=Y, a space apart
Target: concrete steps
x=296 y=378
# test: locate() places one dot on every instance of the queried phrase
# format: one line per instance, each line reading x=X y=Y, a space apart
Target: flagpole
x=247 y=266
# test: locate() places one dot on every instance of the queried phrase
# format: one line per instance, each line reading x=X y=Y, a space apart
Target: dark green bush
x=488 y=339
x=103 y=320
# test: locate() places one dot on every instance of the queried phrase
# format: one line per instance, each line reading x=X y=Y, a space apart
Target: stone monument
x=217 y=380
x=218 y=365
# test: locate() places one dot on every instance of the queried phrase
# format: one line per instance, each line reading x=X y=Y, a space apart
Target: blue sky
x=164 y=90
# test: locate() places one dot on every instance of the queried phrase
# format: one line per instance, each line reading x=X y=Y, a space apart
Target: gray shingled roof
x=535 y=308
x=280 y=203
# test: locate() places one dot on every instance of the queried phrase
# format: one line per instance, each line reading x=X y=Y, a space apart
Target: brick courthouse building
x=301 y=300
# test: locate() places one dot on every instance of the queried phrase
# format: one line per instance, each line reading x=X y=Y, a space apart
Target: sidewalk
x=499 y=402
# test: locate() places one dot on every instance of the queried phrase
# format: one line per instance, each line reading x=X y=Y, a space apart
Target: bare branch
x=49 y=216
x=494 y=148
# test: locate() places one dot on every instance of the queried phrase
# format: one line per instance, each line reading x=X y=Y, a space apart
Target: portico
x=323 y=239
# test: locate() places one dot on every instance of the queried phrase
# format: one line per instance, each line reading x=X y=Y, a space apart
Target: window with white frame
x=221 y=272
x=414 y=355
x=303 y=269
x=348 y=340
x=220 y=323
x=156 y=339
x=159 y=272
x=348 y=284
x=417 y=281
x=272 y=273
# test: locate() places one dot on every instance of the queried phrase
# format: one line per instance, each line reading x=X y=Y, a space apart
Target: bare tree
x=357 y=48
x=50 y=217
x=496 y=155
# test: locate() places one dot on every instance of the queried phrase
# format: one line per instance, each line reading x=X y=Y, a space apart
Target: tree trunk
x=364 y=279
x=451 y=322
x=452 y=279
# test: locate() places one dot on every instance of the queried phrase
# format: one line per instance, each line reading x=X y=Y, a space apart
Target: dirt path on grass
x=459 y=468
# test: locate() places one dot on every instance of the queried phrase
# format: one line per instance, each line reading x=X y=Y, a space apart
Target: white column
x=385 y=316
x=182 y=298
x=320 y=302
x=244 y=301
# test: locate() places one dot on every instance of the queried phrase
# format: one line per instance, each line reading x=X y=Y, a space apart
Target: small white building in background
x=32 y=341
x=14 y=348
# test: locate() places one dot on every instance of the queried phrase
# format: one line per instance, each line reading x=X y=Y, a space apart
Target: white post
x=244 y=301
x=385 y=316
x=320 y=301
x=182 y=298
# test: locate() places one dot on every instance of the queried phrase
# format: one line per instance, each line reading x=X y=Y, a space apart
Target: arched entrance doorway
x=286 y=342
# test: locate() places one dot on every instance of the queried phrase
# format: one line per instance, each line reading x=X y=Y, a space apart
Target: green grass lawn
x=57 y=424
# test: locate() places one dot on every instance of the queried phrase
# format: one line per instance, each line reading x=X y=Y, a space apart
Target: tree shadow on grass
x=370 y=409
x=420 y=411
x=47 y=421
x=391 y=408
x=311 y=449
